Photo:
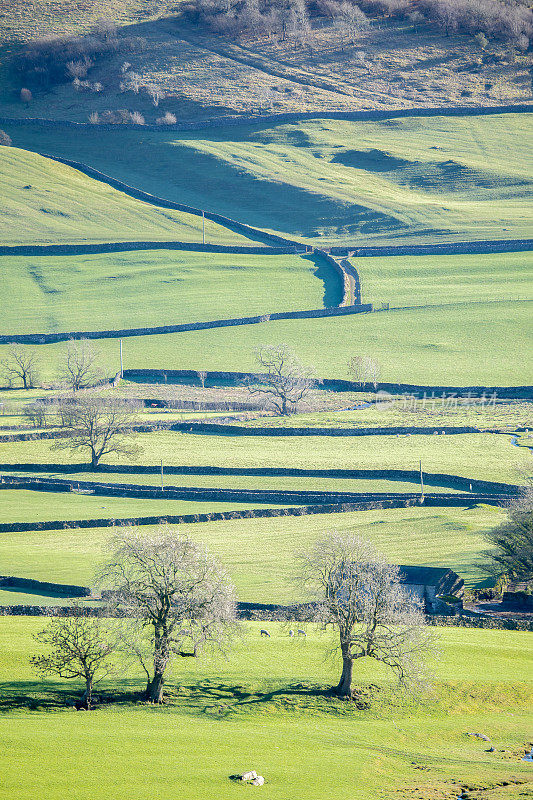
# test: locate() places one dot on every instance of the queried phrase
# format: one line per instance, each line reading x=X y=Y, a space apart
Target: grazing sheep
x=301 y=632
x=291 y=633
x=264 y=633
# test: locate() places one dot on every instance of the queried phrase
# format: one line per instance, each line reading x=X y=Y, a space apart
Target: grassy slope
x=155 y=287
x=44 y=202
x=135 y=752
x=426 y=179
x=259 y=553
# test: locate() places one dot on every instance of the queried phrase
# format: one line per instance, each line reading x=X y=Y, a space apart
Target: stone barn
x=428 y=583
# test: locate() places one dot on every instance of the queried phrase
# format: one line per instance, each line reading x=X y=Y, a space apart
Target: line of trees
x=168 y=598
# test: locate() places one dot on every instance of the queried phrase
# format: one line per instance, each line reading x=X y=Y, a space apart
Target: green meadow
x=267 y=713
x=44 y=202
x=157 y=287
x=453 y=345
x=330 y=181
x=477 y=456
x=259 y=554
x=487 y=279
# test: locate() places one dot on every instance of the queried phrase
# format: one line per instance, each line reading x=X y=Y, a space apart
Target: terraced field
x=453 y=320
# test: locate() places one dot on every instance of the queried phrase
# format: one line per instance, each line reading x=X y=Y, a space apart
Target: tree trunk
x=154 y=690
x=86 y=700
x=344 y=687
x=95 y=458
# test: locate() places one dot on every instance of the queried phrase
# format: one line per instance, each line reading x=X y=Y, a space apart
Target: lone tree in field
x=80 y=366
x=286 y=380
x=80 y=647
x=99 y=426
x=179 y=595
x=512 y=542
x=21 y=363
x=360 y=595
x=365 y=369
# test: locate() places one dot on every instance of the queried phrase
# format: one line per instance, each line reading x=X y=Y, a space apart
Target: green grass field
x=435 y=345
x=417 y=179
x=486 y=456
x=259 y=712
x=44 y=202
x=446 y=280
x=157 y=287
x=259 y=553
x=19 y=505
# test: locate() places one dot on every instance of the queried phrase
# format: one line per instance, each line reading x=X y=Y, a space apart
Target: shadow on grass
x=45 y=696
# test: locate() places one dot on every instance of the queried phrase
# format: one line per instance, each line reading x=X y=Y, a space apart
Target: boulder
x=249 y=776
x=258 y=781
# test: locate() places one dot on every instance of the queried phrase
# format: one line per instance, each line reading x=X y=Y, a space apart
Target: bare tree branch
x=175 y=594
x=286 y=381
x=359 y=593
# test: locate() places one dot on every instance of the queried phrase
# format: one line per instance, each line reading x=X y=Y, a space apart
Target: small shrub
x=168 y=119
x=94 y=118
x=26 y=96
x=137 y=118
x=5 y=139
x=481 y=40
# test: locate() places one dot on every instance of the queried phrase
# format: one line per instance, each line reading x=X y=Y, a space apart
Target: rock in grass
x=479 y=736
x=258 y=781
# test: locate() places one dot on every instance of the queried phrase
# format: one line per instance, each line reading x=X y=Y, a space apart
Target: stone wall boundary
x=288 y=117
x=218 y=377
x=52 y=338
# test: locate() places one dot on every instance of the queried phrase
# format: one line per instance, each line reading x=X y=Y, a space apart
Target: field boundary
x=65 y=336
x=219 y=377
x=231 y=120
x=119 y=247
x=442 y=479
x=379 y=502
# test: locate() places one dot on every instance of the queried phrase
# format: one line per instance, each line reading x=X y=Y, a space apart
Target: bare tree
x=202 y=375
x=286 y=381
x=365 y=370
x=167 y=119
x=21 y=363
x=99 y=426
x=360 y=594
x=35 y=413
x=79 y=67
x=131 y=82
x=80 y=647
x=5 y=139
x=80 y=366
x=155 y=93
x=351 y=19
x=178 y=593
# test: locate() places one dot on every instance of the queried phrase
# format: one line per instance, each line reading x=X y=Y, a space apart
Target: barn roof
x=444 y=580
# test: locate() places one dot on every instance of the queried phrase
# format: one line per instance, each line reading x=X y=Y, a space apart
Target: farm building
x=428 y=583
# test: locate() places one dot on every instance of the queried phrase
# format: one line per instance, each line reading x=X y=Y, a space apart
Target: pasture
x=268 y=714
x=330 y=181
x=259 y=554
x=44 y=202
x=477 y=456
x=157 y=287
